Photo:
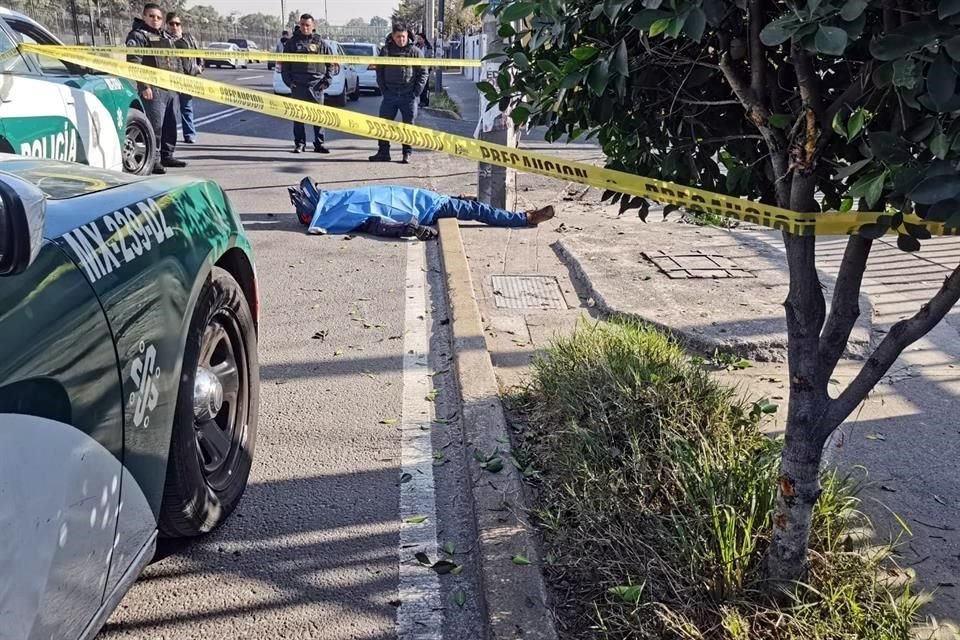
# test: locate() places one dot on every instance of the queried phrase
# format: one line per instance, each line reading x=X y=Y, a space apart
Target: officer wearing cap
x=307 y=80
x=158 y=103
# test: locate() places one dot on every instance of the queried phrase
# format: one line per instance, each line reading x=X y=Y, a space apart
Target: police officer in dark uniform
x=307 y=80
x=158 y=103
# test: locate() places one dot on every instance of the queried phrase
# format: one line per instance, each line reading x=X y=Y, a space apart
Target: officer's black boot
x=299 y=147
x=380 y=156
x=405 y=158
x=170 y=161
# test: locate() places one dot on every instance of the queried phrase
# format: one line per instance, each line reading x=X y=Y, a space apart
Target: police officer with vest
x=307 y=80
x=158 y=103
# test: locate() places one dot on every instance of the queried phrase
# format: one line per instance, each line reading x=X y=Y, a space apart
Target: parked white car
x=366 y=73
x=233 y=63
x=343 y=84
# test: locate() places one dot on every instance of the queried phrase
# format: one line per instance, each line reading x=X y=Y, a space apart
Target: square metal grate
x=527 y=292
x=697 y=265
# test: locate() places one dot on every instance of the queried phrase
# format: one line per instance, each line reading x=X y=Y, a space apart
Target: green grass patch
x=442 y=100
x=655 y=491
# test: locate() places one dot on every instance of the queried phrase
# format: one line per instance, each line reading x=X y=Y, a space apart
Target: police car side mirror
x=23 y=213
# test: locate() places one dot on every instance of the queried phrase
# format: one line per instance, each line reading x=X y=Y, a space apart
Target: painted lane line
x=419 y=617
x=249 y=78
x=213 y=117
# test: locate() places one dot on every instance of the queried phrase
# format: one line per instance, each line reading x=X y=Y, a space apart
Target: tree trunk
x=798 y=491
x=799 y=484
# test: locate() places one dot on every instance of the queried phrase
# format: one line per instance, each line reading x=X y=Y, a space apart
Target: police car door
x=61 y=439
x=93 y=138
x=32 y=109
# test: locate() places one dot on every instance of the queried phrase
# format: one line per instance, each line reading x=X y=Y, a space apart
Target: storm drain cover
x=527 y=292
x=697 y=265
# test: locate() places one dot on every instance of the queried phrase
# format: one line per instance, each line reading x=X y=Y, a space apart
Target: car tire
x=205 y=479
x=339 y=100
x=356 y=92
x=139 y=144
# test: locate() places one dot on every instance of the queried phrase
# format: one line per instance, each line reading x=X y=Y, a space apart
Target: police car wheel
x=356 y=92
x=211 y=447
x=139 y=144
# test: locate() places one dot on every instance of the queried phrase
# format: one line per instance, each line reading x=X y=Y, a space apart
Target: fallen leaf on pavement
x=459 y=597
x=876 y=436
x=521 y=560
x=416 y=520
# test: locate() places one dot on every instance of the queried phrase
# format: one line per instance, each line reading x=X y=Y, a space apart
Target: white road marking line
x=249 y=78
x=419 y=615
x=213 y=117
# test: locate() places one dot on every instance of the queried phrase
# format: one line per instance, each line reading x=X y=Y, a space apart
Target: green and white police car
x=129 y=382
x=60 y=111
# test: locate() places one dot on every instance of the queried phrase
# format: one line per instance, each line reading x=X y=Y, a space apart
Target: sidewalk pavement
x=591 y=262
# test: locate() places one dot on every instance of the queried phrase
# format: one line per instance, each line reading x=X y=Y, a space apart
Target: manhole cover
x=527 y=292
x=697 y=265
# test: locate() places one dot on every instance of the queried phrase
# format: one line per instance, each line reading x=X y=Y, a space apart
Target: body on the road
x=401 y=86
x=396 y=211
x=190 y=66
x=307 y=80
x=158 y=103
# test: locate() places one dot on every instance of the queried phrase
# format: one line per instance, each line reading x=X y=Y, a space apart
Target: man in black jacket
x=401 y=86
x=307 y=80
x=157 y=103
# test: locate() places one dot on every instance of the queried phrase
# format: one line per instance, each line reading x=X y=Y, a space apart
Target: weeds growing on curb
x=442 y=100
x=655 y=488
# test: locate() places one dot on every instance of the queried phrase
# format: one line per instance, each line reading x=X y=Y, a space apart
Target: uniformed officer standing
x=157 y=103
x=307 y=80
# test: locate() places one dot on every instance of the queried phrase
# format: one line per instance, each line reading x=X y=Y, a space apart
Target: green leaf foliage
x=650 y=82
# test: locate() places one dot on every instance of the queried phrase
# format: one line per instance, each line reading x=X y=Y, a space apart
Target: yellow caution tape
x=260 y=56
x=689 y=198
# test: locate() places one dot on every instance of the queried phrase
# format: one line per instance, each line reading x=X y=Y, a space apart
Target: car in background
x=237 y=62
x=245 y=45
x=129 y=382
x=59 y=110
x=344 y=83
x=366 y=73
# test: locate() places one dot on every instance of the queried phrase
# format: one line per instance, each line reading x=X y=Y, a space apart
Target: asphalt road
x=354 y=363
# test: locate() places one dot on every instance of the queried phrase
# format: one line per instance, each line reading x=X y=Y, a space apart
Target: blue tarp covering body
x=345 y=210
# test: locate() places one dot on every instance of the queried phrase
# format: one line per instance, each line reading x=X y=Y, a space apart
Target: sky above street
x=339 y=11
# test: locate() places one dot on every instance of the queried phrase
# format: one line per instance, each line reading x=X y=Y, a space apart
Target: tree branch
x=845 y=305
x=758 y=63
x=757 y=113
x=708 y=103
x=901 y=336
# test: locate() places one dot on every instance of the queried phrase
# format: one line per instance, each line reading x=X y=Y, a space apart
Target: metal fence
x=107 y=23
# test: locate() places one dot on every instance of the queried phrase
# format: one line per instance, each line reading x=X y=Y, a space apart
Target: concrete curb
x=760 y=352
x=515 y=596
x=765 y=350
x=442 y=113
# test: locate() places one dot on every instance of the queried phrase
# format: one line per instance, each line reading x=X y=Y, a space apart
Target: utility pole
x=93 y=23
x=495 y=185
x=439 y=44
x=428 y=19
x=76 y=25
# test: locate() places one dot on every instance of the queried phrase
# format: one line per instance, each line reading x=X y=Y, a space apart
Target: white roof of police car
x=222 y=45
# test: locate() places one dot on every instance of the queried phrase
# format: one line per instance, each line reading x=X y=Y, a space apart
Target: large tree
x=808 y=105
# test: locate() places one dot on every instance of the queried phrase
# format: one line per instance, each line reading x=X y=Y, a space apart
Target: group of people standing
x=158 y=30
x=403 y=88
